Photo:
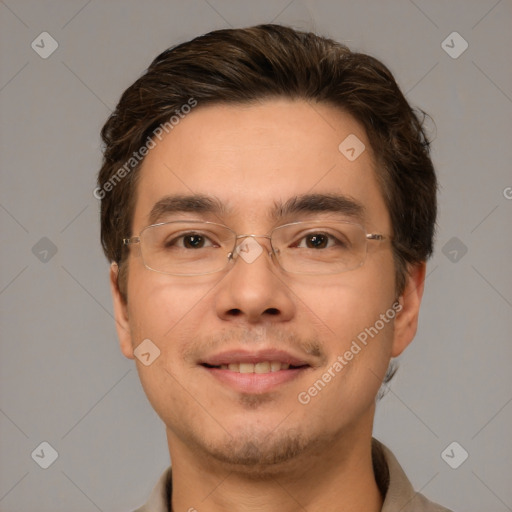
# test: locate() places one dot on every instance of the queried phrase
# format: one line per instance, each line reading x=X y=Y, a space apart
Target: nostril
x=272 y=311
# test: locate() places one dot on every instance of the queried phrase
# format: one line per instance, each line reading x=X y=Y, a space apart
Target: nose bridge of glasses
x=240 y=239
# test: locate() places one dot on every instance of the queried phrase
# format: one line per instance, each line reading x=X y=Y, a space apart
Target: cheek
x=356 y=338
x=357 y=342
x=346 y=304
x=160 y=305
x=171 y=312
x=166 y=311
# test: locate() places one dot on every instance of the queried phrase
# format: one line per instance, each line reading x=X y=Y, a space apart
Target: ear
x=120 y=314
x=406 y=320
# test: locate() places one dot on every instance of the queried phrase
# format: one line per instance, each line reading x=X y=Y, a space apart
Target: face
x=253 y=316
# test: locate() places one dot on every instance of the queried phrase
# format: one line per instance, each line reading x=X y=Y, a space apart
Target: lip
x=243 y=356
x=254 y=383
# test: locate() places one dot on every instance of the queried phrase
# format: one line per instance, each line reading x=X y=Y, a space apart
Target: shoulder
x=160 y=496
x=399 y=492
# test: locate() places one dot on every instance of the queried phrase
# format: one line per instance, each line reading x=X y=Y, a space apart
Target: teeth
x=275 y=366
x=246 y=368
x=261 y=367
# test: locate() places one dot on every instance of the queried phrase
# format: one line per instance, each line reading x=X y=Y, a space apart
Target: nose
x=254 y=290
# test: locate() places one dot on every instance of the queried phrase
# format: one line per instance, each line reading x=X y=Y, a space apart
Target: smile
x=260 y=367
x=254 y=372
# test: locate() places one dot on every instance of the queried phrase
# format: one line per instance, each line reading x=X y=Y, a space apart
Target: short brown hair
x=268 y=61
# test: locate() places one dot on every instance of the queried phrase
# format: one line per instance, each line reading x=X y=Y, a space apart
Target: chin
x=261 y=454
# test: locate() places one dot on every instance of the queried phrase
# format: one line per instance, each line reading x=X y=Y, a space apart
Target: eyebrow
x=319 y=203
x=195 y=203
x=301 y=204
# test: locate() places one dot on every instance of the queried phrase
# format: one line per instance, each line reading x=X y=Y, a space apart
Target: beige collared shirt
x=399 y=495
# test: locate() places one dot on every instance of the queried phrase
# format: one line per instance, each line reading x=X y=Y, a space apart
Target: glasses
x=193 y=248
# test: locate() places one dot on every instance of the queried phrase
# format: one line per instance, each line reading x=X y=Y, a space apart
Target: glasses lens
x=186 y=248
x=320 y=247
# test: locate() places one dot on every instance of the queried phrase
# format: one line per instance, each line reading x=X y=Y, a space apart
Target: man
x=268 y=205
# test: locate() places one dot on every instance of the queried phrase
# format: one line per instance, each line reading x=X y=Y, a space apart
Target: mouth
x=259 y=367
x=259 y=372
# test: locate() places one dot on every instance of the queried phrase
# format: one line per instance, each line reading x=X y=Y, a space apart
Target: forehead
x=253 y=159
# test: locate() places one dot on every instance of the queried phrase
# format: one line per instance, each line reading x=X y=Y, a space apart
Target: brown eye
x=317 y=241
x=193 y=241
x=320 y=240
x=189 y=241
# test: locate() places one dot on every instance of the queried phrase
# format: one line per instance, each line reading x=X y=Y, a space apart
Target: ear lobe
x=120 y=314
x=406 y=320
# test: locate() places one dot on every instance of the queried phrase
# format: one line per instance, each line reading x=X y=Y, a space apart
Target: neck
x=341 y=478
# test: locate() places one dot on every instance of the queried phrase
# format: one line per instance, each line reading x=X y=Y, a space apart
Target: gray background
x=63 y=378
